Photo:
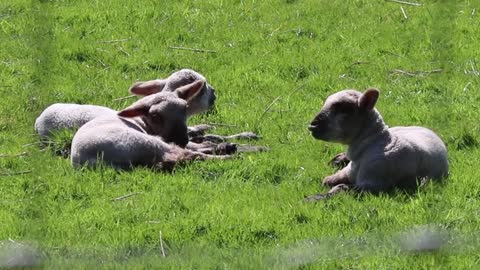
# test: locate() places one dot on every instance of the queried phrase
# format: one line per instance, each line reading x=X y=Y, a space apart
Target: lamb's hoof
x=340 y=161
x=213 y=138
x=225 y=149
x=207 y=138
x=245 y=148
x=329 y=181
x=198 y=130
x=247 y=135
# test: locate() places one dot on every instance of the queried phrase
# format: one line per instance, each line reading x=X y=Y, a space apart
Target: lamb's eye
x=344 y=108
x=156 y=117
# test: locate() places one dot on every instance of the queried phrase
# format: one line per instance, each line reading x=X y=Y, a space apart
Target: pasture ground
x=274 y=62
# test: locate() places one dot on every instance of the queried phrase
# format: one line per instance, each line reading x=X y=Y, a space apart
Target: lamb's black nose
x=311 y=127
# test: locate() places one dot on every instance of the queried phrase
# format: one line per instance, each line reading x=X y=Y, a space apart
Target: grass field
x=274 y=62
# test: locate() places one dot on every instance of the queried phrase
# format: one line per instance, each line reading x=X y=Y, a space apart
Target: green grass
x=246 y=213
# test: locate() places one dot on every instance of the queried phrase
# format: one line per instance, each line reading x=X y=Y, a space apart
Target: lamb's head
x=344 y=115
x=202 y=101
x=165 y=113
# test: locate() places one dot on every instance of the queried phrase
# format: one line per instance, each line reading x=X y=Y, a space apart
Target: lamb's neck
x=375 y=130
x=143 y=124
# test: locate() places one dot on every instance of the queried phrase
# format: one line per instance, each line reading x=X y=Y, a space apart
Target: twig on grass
x=15 y=173
x=123 y=98
x=161 y=245
x=39 y=142
x=123 y=51
x=221 y=124
x=192 y=49
x=415 y=73
x=276 y=99
x=403 y=12
x=113 y=40
x=405 y=3
x=126 y=196
x=14 y=155
x=269 y=107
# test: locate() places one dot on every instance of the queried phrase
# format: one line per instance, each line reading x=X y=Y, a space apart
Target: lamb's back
x=425 y=147
x=68 y=116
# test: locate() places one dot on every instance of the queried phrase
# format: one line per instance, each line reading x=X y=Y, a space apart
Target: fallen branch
x=123 y=98
x=14 y=155
x=15 y=173
x=192 y=49
x=405 y=3
x=126 y=196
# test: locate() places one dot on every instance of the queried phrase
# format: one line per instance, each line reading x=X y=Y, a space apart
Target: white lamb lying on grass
x=140 y=134
x=72 y=116
x=382 y=158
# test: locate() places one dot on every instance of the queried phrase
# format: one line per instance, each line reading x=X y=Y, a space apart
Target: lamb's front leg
x=340 y=177
x=213 y=148
x=198 y=130
x=340 y=161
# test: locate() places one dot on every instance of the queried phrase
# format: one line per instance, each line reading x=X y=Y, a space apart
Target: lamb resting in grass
x=140 y=134
x=381 y=158
x=72 y=116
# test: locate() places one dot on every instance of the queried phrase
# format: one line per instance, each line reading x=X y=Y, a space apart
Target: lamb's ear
x=148 y=87
x=134 y=110
x=189 y=91
x=368 y=99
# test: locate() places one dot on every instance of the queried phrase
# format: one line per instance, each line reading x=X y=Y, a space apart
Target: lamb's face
x=340 y=118
x=167 y=119
x=201 y=102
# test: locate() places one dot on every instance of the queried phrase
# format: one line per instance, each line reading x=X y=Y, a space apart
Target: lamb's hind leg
x=219 y=138
x=180 y=156
x=213 y=148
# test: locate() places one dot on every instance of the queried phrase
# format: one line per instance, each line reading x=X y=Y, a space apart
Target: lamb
x=140 y=134
x=381 y=158
x=72 y=116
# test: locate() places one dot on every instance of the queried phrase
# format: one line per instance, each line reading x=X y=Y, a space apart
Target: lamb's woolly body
x=119 y=141
x=381 y=158
x=140 y=134
x=72 y=116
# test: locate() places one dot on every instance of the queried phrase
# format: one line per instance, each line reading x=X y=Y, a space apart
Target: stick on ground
x=14 y=155
x=162 y=249
x=15 y=173
x=192 y=49
x=405 y=3
x=126 y=196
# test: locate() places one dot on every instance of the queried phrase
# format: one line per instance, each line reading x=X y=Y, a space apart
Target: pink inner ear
x=368 y=99
x=131 y=113
x=147 y=88
x=190 y=90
